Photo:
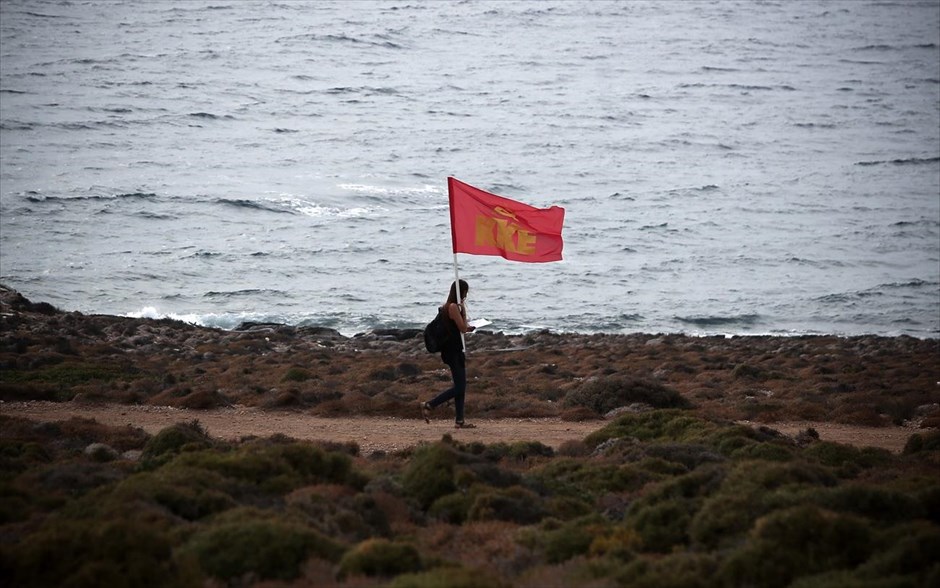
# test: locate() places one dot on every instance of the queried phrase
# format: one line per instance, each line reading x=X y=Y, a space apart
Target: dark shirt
x=452 y=349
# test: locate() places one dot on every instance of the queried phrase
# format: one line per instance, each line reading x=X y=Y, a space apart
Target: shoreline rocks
x=47 y=354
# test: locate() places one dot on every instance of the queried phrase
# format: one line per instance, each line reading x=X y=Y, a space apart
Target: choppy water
x=727 y=167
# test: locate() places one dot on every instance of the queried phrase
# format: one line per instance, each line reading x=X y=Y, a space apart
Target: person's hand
x=471 y=329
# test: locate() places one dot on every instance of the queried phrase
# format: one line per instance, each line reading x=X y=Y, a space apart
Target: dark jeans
x=458 y=371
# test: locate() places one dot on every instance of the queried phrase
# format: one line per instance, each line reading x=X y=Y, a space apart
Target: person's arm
x=453 y=311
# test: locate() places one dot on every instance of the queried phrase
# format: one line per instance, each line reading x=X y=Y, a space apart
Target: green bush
x=429 y=474
x=750 y=490
x=742 y=441
x=690 y=455
x=747 y=371
x=918 y=442
x=658 y=425
x=16 y=504
x=349 y=518
x=296 y=374
x=724 y=518
x=522 y=450
x=566 y=507
x=929 y=497
x=770 y=475
x=68 y=374
x=274 y=466
x=173 y=440
x=850 y=579
x=18 y=456
x=74 y=478
x=662 y=517
x=188 y=493
x=663 y=525
x=580 y=478
x=379 y=557
x=874 y=503
x=452 y=508
x=680 y=570
x=84 y=553
x=607 y=393
x=486 y=473
x=272 y=549
x=559 y=542
x=802 y=540
x=906 y=550
x=846 y=457
x=764 y=451
x=515 y=504
x=448 y=578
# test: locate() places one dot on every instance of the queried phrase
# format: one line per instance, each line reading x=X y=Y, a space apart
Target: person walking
x=452 y=354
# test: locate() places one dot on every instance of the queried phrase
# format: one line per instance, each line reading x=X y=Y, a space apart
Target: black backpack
x=436 y=333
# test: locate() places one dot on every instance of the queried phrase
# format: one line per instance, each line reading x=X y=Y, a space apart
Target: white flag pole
x=463 y=340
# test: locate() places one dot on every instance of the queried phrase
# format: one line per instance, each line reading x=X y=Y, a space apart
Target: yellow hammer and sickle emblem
x=504 y=212
x=499 y=232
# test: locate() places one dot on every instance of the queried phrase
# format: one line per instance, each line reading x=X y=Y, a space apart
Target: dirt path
x=389 y=434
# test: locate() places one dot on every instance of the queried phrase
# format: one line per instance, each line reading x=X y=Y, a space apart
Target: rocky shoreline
x=48 y=354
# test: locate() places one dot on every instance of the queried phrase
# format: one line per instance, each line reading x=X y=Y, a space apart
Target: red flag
x=486 y=224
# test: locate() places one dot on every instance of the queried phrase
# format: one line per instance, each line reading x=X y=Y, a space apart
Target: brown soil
x=390 y=434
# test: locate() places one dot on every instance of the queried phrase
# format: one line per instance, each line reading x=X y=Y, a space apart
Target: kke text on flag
x=482 y=223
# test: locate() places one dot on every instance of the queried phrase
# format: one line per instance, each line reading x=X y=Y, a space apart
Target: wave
x=718 y=321
x=253 y=205
x=157 y=216
x=364 y=90
x=210 y=116
x=923 y=222
x=15 y=126
x=314 y=210
x=383 y=192
x=37 y=197
x=340 y=38
x=592 y=322
x=883 y=47
x=825 y=263
x=908 y=161
x=68 y=126
x=247 y=292
x=915 y=283
x=42 y=15
x=205 y=254
x=816 y=125
x=879 y=290
x=227 y=321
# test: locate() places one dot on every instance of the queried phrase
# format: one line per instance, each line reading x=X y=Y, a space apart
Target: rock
x=926 y=409
x=632 y=408
x=396 y=334
x=101 y=452
x=321 y=333
x=253 y=326
x=806 y=437
x=612 y=444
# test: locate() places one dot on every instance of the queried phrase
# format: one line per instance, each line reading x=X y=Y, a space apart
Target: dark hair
x=464 y=288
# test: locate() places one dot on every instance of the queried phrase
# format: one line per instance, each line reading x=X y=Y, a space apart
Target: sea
x=727 y=167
